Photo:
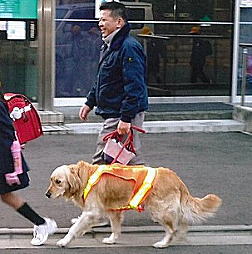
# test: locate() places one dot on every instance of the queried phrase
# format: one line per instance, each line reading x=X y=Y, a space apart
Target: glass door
x=245 y=38
x=18 y=68
x=18 y=47
x=188 y=44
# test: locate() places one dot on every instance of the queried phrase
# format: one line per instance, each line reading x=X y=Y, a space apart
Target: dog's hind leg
x=169 y=220
x=181 y=230
x=116 y=219
x=169 y=233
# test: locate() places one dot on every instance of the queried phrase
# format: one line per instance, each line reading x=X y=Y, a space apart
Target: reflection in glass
x=170 y=57
x=245 y=37
x=77 y=57
x=168 y=46
x=19 y=67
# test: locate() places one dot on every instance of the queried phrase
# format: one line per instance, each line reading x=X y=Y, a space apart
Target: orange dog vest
x=142 y=176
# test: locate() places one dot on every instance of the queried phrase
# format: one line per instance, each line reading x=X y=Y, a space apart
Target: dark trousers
x=198 y=72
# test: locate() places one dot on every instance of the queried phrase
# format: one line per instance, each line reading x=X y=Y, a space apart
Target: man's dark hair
x=117 y=9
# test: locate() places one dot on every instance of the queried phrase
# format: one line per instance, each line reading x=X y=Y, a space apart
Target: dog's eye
x=57 y=181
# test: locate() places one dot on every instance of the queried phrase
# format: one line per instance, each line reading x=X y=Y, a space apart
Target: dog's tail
x=198 y=209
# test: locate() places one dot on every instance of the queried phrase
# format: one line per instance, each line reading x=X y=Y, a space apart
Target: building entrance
x=188 y=46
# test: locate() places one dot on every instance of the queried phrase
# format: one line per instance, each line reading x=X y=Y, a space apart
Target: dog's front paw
x=62 y=242
x=160 y=244
x=111 y=239
x=108 y=240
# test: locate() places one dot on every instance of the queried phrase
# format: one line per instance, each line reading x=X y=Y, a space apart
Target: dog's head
x=64 y=181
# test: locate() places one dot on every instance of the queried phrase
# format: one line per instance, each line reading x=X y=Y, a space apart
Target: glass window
x=245 y=37
x=18 y=47
x=77 y=48
x=60 y=13
x=136 y=14
x=180 y=63
x=19 y=67
x=184 y=64
x=192 y=10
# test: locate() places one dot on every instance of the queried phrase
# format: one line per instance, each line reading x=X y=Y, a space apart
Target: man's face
x=107 y=23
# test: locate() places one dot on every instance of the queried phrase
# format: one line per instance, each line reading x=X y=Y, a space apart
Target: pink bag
x=12 y=178
x=114 y=148
x=117 y=151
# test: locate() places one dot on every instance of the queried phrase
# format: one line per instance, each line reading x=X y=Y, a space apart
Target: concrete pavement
x=207 y=162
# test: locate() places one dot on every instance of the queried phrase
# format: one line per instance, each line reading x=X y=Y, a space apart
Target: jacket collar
x=116 y=42
x=110 y=37
x=119 y=37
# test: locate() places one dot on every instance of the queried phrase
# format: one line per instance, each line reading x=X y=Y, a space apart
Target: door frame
x=46 y=42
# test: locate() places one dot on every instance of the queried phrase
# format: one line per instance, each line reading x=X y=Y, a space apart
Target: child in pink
x=14 y=176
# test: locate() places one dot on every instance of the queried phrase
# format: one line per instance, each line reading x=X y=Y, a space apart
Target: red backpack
x=25 y=117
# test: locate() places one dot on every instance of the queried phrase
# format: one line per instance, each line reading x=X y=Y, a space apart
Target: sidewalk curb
x=135 y=229
x=218 y=125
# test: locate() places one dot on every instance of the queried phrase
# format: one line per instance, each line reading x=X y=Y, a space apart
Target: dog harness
x=142 y=176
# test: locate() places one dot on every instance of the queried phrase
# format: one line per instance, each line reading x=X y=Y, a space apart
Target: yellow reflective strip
x=147 y=183
x=150 y=175
x=94 y=178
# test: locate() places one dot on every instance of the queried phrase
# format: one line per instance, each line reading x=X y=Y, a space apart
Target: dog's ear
x=83 y=165
x=74 y=181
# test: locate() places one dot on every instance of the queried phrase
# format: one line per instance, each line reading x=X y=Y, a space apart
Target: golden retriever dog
x=169 y=201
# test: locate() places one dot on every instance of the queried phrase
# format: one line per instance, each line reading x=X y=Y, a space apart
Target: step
x=164 y=112
x=188 y=115
x=51 y=117
x=244 y=114
x=168 y=126
x=55 y=129
x=160 y=118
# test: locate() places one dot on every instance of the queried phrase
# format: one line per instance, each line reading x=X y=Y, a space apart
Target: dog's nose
x=48 y=194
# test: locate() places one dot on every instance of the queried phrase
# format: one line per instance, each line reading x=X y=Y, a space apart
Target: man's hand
x=84 y=111
x=123 y=127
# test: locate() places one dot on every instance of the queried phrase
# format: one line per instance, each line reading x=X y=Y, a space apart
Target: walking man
x=120 y=91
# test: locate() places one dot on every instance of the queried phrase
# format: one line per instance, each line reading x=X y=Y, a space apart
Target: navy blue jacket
x=120 y=89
